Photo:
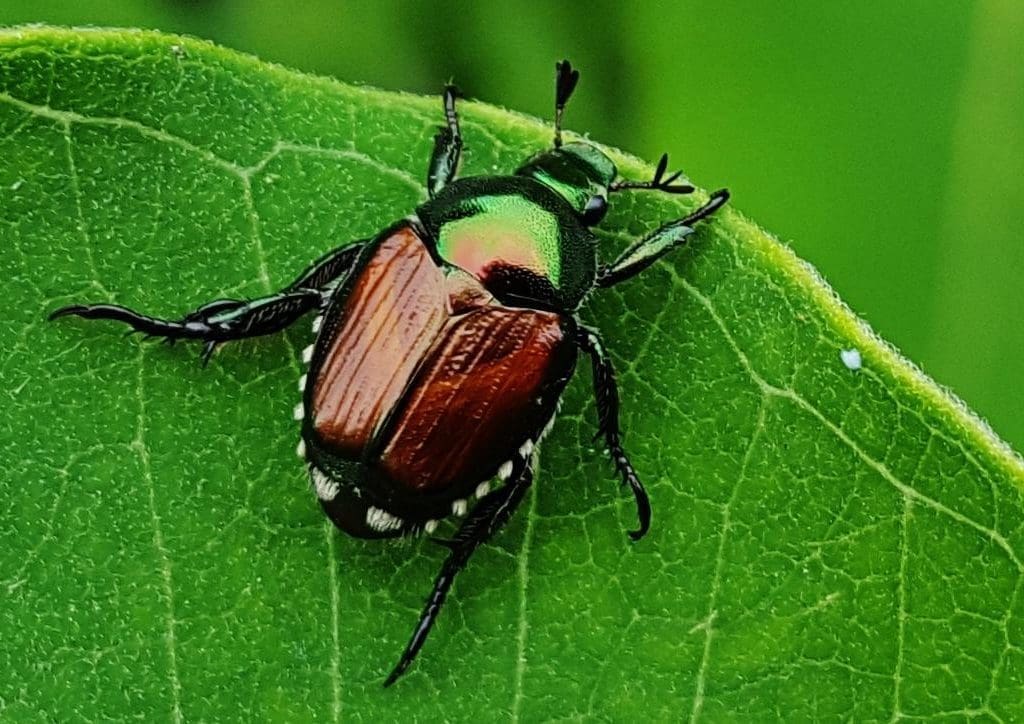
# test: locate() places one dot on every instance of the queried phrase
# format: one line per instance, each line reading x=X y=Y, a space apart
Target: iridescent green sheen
x=525 y=237
x=576 y=172
x=507 y=231
x=575 y=194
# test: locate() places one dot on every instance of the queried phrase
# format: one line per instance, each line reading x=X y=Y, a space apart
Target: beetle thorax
x=508 y=232
x=517 y=238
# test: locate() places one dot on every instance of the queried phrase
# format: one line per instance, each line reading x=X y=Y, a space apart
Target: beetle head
x=578 y=172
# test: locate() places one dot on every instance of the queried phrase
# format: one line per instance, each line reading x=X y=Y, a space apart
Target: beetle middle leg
x=225 y=320
x=444 y=161
x=220 y=321
x=486 y=519
x=328 y=267
x=607 y=394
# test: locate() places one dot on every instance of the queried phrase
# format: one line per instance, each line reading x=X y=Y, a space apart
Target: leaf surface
x=828 y=543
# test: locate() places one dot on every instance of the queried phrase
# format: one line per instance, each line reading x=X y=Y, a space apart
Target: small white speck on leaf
x=17 y=184
x=851 y=358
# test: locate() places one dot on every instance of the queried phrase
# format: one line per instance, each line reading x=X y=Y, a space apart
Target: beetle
x=443 y=344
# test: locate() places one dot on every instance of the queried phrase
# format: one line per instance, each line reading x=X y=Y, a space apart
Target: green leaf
x=828 y=543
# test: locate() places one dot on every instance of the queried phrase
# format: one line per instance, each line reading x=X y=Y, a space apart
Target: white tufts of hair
x=381 y=520
x=326 y=489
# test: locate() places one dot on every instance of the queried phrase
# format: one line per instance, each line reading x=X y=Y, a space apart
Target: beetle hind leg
x=486 y=519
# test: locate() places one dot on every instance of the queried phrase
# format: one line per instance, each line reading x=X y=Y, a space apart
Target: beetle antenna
x=566 y=78
x=658 y=183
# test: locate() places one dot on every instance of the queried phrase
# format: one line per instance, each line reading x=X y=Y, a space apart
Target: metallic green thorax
x=507 y=230
x=523 y=236
x=576 y=172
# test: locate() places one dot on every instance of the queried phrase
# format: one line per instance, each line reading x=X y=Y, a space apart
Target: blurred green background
x=884 y=141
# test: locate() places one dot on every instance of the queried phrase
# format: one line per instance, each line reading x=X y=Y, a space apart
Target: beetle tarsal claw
x=208 y=349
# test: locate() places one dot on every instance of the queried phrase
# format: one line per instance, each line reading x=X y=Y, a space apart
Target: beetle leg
x=607 y=394
x=444 y=161
x=486 y=519
x=224 y=320
x=327 y=268
x=657 y=244
x=219 y=321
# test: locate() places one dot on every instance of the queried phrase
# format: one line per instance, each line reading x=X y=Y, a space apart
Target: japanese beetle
x=444 y=343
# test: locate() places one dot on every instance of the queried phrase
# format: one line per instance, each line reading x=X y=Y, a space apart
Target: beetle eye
x=595 y=210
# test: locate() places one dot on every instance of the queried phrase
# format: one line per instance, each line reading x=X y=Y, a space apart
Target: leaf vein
x=883 y=470
x=76 y=192
x=138 y=444
x=522 y=626
x=708 y=622
x=348 y=154
x=332 y=558
x=332 y=578
x=901 y=614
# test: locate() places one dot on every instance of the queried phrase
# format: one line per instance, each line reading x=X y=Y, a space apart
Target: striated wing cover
x=489 y=384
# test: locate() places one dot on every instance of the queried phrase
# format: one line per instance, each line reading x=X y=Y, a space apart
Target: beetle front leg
x=652 y=247
x=486 y=519
x=444 y=161
x=607 y=394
